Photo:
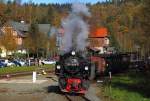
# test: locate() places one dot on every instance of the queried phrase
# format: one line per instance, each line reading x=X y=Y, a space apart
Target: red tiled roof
x=100 y=32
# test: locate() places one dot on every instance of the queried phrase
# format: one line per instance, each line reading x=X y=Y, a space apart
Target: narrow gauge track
x=18 y=74
x=74 y=97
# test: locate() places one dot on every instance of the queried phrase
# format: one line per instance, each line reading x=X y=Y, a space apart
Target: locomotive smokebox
x=73 y=71
x=71 y=63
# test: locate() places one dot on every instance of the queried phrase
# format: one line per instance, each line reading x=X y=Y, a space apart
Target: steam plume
x=76 y=29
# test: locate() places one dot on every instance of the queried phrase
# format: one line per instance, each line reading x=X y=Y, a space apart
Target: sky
x=62 y=1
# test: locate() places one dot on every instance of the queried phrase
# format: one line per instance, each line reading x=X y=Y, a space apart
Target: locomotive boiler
x=73 y=71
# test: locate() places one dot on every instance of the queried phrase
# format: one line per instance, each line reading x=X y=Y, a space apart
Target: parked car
x=2 y=65
x=22 y=62
x=19 y=63
x=16 y=63
x=45 y=62
x=10 y=64
x=7 y=62
x=3 y=61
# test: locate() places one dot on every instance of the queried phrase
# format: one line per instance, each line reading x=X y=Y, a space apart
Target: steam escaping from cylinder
x=76 y=29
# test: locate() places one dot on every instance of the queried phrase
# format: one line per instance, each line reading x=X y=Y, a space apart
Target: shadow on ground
x=54 y=89
x=52 y=78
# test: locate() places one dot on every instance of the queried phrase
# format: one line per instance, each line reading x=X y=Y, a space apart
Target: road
x=44 y=89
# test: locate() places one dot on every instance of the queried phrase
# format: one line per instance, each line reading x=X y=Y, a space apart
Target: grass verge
x=131 y=86
x=8 y=70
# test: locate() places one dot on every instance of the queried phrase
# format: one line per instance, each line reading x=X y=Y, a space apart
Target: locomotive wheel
x=92 y=72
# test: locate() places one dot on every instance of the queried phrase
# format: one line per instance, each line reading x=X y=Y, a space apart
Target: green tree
x=28 y=44
x=38 y=39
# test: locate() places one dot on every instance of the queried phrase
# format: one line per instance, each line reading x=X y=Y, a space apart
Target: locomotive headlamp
x=58 y=67
x=86 y=68
x=73 y=53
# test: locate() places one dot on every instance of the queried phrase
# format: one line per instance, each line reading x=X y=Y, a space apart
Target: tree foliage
x=8 y=40
x=127 y=21
x=35 y=40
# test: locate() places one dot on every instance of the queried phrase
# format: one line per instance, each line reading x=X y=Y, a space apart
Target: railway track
x=74 y=97
x=22 y=74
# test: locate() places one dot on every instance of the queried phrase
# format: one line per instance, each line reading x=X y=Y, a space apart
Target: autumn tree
x=8 y=40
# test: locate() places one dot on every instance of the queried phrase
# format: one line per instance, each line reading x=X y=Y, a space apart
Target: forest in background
x=127 y=20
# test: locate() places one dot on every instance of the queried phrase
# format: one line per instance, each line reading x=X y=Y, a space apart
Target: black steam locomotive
x=73 y=71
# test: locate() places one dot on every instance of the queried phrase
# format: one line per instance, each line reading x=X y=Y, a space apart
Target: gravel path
x=25 y=90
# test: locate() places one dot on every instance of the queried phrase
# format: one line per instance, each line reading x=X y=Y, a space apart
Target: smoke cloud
x=76 y=29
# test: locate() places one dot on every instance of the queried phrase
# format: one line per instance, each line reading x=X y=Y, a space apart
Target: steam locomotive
x=73 y=71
